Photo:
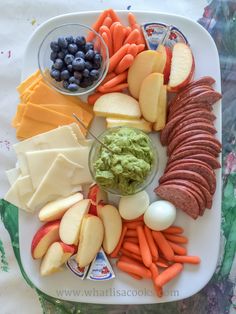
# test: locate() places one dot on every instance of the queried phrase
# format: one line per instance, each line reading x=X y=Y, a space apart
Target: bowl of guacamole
x=127 y=164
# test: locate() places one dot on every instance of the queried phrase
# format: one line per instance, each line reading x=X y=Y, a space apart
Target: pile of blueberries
x=75 y=62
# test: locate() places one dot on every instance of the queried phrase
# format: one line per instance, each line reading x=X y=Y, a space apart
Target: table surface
x=18 y=19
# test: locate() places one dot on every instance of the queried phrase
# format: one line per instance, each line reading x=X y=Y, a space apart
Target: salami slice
x=197 y=146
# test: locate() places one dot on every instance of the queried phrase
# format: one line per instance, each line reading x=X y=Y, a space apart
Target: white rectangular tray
x=203 y=234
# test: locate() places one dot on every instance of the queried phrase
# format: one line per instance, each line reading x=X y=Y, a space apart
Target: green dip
x=129 y=163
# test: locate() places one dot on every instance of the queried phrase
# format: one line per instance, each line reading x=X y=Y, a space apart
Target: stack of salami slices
x=189 y=180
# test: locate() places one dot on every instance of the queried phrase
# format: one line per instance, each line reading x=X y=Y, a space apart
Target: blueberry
x=80 y=54
x=97 y=58
x=70 y=39
x=65 y=51
x=96 y=66
x=94 y=74
x=85 y=73
x=88 y=65
x=72 y=80
x=89 y=55
x=69 y=59
x=58 y=64
x=72 y=48
x=70 y=68
x=61 y=55
x=80 y=41
x=65 y=74
x=78 y=75
x=73 y=87
x=53 y=55
x=62 y=42
x=65 y=84
x=54 y=46
x=55 y=74
x=86 y=81
x=88 y=46
x=78 y=64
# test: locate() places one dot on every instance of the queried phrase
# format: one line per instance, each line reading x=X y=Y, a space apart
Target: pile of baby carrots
x=158 y=255
x=124 y=43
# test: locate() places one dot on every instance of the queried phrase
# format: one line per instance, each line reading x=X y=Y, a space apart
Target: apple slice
x=144 y=63
x=56 y=209
x=165 y=64
x=112 y=227
x=182 y=67
x=161 y=110
x=43 y=238
x=149 y=95
x=71 y=222
x=97 y=196
x=140 y=124
x=57 y=254
x=91 y=237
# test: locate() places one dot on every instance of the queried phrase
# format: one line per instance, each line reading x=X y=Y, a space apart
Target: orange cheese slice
x=18 y=116
x=26 y=83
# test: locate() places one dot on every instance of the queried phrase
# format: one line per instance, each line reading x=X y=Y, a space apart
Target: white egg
x=133 y=206
x=160 y=215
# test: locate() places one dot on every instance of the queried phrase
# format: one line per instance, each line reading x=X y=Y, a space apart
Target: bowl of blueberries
x=69 y=62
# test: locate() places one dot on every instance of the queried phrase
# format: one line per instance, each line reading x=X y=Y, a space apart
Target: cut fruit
x=140 y=124
x=117 y=105
x=161 y=110
x=91 y=237
x=71 y=222
x=149 y=95
x=57 y=254
x=182 y=67
x=144 y=63
x=97 y=196
x=56 y=209
x=44 y=237
x=165 y=65
x=112 y=227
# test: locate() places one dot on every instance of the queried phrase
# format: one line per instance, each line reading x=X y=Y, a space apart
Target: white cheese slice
x=57 y=138
x=77 y=131
x=12 y=175
x=40 y=161
x=61 y=179
x=20 y=192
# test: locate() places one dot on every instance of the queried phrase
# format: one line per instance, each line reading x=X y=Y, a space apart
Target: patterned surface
x=219 y=296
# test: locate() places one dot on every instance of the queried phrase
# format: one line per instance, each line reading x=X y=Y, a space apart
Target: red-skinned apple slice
x=97 y=196
x=182 y=67
x=166 y=70
x=44 y=237
x=57 y=254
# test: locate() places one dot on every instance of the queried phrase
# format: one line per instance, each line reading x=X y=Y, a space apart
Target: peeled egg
x=160 y=215
x=133 y=206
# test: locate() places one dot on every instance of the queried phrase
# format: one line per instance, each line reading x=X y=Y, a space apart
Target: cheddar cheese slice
x=27 y=82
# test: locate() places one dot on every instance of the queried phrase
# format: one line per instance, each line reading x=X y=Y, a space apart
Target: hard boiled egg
x=160 y=215
x=133 y=206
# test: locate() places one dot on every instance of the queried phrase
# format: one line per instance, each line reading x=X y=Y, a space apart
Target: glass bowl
x=95 y=151
x=45 y=63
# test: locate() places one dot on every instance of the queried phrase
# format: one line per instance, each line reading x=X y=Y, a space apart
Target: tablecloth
x=18 y=20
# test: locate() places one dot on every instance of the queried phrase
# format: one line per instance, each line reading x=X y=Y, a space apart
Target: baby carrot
x=132 y=247
x=173 y=230
x=176 y=238
x=178 y=249
x=168 y=274
x=113 y=15
x=187 y=259
x=141 y=47
x=133 y=37
x=128 y=31
x=131 y=239
x=141 y=39
x=151 y=243
x=117 y=248
x=107 y=42
x=163 y=245
x=133 y=224
x=92 y=98
x=113 y=27
x=154 y=270
x=144 y=248
x=115 y=59
x=131 y=19
x=134 y=269
x=120 y=78
x=124 y=64
x=133 y=50
x=107 y=21
x=97 y=25
x=131 y=255
x=140 y=218
x=135 y=276
x=118 y=37
x=127 y=259
x=117 y=88
x=109 y=77
x=131 y=233
x=162 y=263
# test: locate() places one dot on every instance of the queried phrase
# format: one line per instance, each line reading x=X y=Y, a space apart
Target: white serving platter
x=203 y=234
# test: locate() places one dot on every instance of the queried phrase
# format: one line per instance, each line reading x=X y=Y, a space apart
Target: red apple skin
x=68 y=248
x=42 y=231
x=92 y=195
x=185 y=82
x=166 y=71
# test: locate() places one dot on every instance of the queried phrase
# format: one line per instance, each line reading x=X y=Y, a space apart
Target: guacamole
x=129 y=163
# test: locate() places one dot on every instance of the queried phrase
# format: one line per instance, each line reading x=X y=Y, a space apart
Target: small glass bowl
x=94 y=152
x=45 y=63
